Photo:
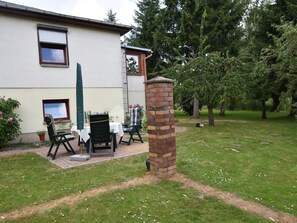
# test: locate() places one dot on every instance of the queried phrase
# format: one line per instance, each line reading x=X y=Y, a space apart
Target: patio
x=63 y=158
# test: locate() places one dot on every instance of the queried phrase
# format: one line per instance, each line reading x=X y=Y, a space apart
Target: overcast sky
x=93 y=9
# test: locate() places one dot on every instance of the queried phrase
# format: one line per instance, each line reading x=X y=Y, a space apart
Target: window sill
x=135 y=74
x=54 y=65
x=60 y=121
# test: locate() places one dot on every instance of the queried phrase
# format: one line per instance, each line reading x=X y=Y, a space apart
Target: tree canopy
x=223 y=53
x=111 y=16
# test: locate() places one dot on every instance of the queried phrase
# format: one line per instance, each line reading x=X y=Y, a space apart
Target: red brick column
x=161 y=132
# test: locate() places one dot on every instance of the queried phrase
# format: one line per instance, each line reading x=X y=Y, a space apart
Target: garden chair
x=134 y=129
x=57 y=138
x=101 y=138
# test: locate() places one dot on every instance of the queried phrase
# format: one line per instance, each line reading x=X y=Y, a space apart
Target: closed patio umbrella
x=79 y=113
x=79 y=102
x=79 y=98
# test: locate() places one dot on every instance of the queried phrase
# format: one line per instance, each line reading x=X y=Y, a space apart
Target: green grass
x=253 y=158
x=30 y=179
x=24 y=146
x=165 y=202
x=242 y=154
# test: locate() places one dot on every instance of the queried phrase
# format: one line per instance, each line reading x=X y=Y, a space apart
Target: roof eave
x=56 y=17
x=137 y=48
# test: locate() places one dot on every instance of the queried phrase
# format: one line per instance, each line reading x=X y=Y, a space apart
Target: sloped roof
x=25 y=11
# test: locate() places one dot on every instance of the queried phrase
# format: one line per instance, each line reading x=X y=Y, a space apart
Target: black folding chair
x=57 y=138
x=101 y=138
x=134 y=129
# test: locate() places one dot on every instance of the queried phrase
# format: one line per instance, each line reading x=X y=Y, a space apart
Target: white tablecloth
x=84 y=133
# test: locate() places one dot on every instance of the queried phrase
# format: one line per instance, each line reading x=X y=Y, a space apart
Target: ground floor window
x=58 y=108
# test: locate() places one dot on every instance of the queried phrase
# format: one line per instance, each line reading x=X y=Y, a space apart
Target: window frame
x=140 y=63
x=52 y=101
x=53 y=45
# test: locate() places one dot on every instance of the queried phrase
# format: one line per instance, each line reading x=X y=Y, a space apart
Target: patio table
x=116 y=127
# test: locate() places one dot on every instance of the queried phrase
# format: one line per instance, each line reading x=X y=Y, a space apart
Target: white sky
x=93 y=9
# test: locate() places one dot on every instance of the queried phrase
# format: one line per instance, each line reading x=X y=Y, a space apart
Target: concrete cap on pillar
x=159 y=79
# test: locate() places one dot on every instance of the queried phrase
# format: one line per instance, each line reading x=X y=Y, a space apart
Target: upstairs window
x=132 y=64
x=53 y=45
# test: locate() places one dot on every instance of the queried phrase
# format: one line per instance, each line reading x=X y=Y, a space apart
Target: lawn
x=254 y=158
x=242 y=154
x=164 y=202
x=30 y=179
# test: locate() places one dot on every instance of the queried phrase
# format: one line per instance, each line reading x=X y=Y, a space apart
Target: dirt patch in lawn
x=234 y=200
x=205 y=190
x=180 y=129
x=76 y=198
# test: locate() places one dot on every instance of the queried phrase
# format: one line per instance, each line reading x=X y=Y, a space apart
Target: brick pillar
x=161 y=132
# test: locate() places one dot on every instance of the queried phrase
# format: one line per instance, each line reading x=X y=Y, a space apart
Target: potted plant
x=41 y=134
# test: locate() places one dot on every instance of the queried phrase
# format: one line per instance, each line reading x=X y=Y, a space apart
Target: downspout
x=127 y=89
x=151 y=54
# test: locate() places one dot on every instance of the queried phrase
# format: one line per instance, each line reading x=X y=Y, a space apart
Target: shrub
x=9 y=121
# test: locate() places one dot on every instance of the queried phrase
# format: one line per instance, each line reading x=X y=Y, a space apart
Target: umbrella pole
x=81 y=142
x=81 y=148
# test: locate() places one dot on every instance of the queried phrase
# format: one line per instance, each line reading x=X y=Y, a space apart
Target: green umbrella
x=79 y=102
x=79 y=98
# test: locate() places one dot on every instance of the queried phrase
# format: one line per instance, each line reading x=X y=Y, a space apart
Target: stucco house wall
x=23 y=78
x=136 y=93
x=135 y=81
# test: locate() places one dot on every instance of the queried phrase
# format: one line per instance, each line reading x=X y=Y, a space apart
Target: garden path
x=204 y=190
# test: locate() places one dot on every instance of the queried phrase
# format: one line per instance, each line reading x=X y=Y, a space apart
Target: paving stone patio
x=63 y=158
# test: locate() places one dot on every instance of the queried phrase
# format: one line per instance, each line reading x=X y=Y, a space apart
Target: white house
x=39 y=51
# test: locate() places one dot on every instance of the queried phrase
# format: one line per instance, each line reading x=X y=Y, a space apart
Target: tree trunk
x=263 y=110
x=196 y=108
x=223 y=108
x=275 y=102
x=210 y=114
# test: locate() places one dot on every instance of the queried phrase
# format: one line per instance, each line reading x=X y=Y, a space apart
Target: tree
x=192 y=39
x=262 y=87
x=286 y=52
x=210 y=26
x=288 y=10
x=111 y=16
x=166 y=35
x=209 y=74
x=142 y=34
x=234 y=86
x=261 y=26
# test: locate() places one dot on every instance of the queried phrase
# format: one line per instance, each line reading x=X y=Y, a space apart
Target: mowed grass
x=242 y=154
x=254 y=158
x=29 y=179
x=163 y=202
